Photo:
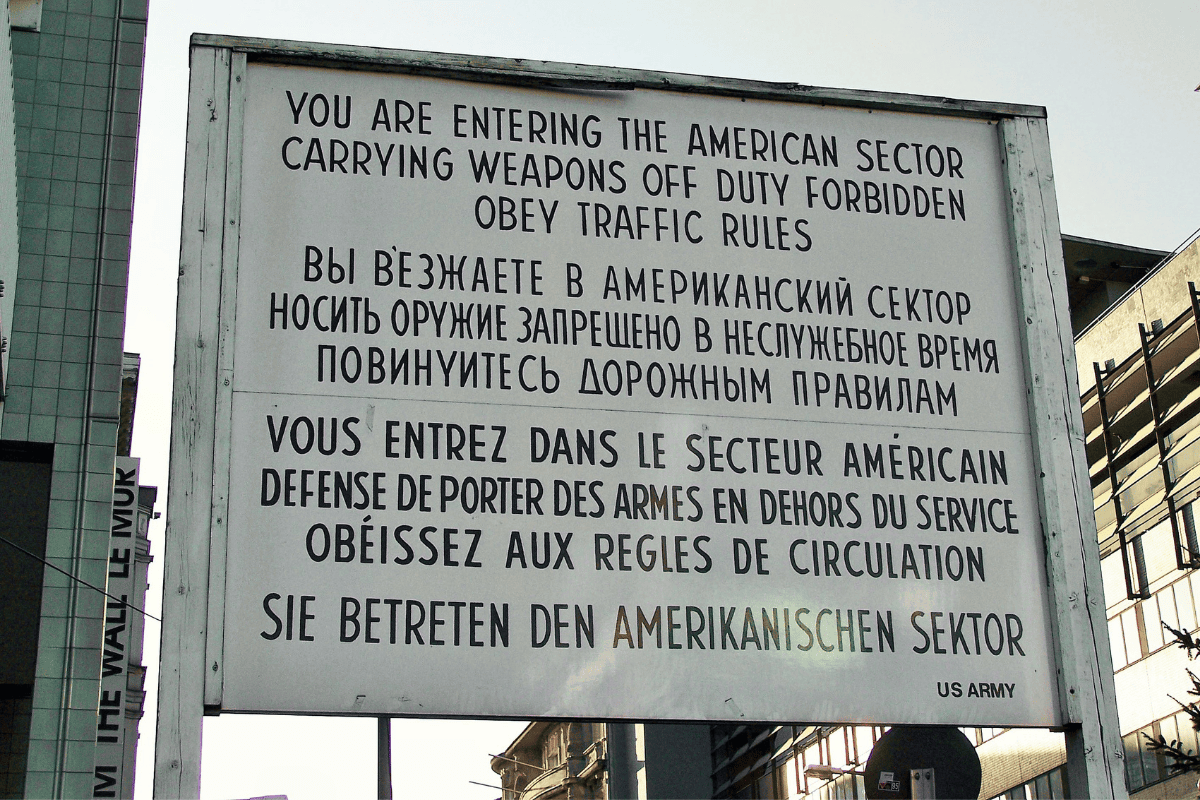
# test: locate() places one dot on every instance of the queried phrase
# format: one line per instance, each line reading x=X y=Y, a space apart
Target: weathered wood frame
x=194 y=568
x=1086 y=689
x=190 y=678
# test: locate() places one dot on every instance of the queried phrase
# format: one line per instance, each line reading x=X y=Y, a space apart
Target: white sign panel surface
x=626 y=404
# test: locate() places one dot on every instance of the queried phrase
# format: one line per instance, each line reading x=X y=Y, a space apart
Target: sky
x=1118 y=80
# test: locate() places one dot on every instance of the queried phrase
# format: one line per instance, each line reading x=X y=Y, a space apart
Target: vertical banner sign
x=118 y=622
x=616 y=404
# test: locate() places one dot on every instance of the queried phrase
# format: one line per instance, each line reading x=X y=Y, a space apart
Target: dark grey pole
x=384 y=766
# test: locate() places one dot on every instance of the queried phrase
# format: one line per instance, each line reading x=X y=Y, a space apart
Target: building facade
x=1140 y=368
x=555 y=761
x=70 y=92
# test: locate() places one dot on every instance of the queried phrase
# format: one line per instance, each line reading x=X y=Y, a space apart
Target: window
x=1153 y=619
x=783 y=787
x=982 y=735
x=1133 y=646
x=1185 y=605
x=865 y=737
x=1116 y=640
x=552 y=749
x=1194 y=584
x=1187 y=519
x=1182 y=730
x=1138 y=631
x=1166 y=608
x=1144 y=766
x=772 y=785
x=1141 y=579
x=1047 y=786
x=837 y=749
x=16 y=708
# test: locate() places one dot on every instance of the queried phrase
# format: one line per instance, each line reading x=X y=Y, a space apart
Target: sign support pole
x=384 y=765
x=1087 y=693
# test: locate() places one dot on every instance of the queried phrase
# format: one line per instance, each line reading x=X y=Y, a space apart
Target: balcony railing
x=1143 y=439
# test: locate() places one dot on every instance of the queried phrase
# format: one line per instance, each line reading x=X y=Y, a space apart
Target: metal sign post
x=384 y=757
x=924 y=784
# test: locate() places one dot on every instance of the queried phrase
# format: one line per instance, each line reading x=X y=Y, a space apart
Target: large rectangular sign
x=621 y=404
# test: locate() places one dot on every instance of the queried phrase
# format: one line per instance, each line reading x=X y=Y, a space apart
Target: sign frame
x=190 y=675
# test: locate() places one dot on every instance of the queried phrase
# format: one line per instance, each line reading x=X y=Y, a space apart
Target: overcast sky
x=1117 y=78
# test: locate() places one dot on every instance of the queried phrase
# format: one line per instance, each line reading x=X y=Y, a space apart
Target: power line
x=77 y=579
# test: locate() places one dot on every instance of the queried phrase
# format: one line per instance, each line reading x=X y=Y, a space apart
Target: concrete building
x=70 y=90
x=555 y=761
x=1140 y=368
x=597 y=761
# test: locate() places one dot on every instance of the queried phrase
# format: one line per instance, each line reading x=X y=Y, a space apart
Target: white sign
x=625 y=404
x=112 y=726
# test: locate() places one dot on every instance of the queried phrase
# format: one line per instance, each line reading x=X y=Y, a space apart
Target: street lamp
x=826 y=772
